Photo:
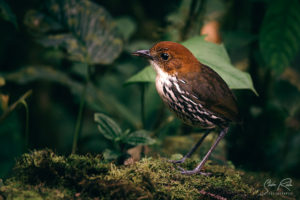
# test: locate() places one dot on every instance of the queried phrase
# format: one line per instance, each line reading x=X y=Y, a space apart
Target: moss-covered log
x=45 y=175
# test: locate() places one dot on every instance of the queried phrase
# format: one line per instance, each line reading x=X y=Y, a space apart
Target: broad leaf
x=216 y=57
x=139 y=137
x=280 y=34
x=85 y=29
x=212 y=55
x=107 y=127
x=145 y=75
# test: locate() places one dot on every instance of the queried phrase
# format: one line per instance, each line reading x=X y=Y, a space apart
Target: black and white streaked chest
x=183 y=105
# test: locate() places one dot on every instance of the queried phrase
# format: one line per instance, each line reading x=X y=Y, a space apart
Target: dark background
x=269 y=139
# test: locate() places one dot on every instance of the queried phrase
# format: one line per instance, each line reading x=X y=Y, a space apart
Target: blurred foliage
x=83 y=28
x=280 y=34
x=7 y=14
x=120 y=140
x=72 y=53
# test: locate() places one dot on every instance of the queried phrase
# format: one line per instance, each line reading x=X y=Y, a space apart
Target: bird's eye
x=164 y=56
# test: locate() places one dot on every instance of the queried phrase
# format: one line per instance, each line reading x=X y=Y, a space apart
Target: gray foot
x=177 y=161
x=191 y=172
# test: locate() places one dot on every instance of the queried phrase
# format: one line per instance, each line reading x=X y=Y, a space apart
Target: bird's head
x=170 y=57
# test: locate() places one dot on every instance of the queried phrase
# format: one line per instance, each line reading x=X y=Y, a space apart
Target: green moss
x=44 y=175
x=182 y=145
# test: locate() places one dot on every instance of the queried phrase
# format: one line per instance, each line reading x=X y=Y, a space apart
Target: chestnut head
x=170 y=57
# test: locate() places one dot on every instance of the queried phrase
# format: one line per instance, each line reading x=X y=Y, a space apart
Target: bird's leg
x=201 y=164
x=192 y=150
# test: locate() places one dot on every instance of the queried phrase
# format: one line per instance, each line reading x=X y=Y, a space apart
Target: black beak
x=143 y=53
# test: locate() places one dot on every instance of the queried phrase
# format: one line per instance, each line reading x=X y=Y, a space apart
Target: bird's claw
x=177 y=161
x=190 y=172
x=187 y=172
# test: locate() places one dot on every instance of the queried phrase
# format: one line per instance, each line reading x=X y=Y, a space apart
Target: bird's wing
x=210 y=90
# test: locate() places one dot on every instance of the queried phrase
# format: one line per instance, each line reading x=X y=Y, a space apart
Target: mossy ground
x=45 y=175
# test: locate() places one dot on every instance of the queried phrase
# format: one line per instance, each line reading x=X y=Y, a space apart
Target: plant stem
x=80 y=114
x=26 y=123
x=143 y=86
x=14 y=105
x=21 y=100
x=143 y=105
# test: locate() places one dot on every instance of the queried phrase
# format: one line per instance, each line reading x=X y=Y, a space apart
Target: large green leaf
x=280 y=34
x=145 y=75
x=212 y=55
x=107 y=127
x=85 y=29
x=216 y=57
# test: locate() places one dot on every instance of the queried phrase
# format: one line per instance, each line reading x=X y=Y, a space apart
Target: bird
x=194 y=92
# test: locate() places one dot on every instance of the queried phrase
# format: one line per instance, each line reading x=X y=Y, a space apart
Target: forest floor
x=45 y=175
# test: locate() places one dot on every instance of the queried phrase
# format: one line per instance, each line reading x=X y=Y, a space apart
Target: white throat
x=159 y=72
x=162 y=78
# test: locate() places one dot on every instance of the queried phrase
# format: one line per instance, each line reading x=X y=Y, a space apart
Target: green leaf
x=212 y=55
x=80 y=69
x=139 y=137
x=7 y=14
x=85 y=29
x=144 y=76
x=279 y=40
x=107 y=127
x=216 y=57
x=126 y=26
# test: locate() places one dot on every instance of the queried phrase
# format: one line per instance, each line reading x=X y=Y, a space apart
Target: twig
x=15 y=104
